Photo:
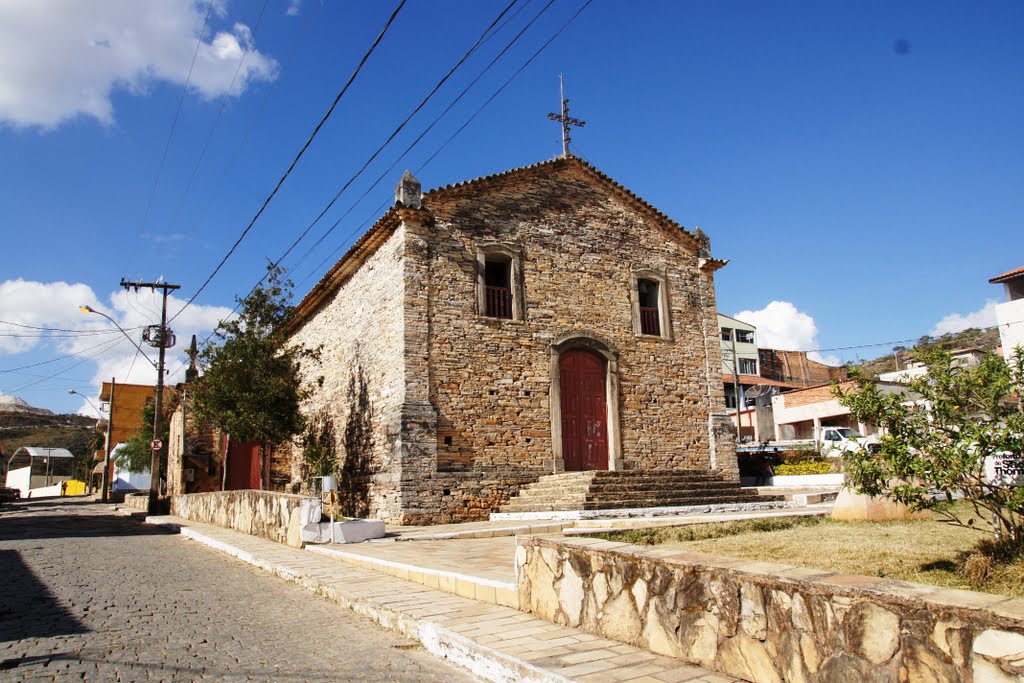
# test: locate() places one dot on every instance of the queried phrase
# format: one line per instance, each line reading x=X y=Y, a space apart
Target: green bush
x=812 y=467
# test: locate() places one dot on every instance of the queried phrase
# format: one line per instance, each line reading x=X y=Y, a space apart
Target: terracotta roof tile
x=1008 y=275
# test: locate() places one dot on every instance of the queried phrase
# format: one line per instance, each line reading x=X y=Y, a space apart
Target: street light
x=90 y=309
x=105 y=482
x=78 y=393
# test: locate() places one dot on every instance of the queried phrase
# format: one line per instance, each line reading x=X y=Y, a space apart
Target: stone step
x=663 y=495
x=623 y=493
x=626 y=483
x=613 y=505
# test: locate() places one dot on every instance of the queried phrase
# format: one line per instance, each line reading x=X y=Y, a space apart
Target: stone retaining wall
x=137 y=501
x=768 y=622
x=275 y=516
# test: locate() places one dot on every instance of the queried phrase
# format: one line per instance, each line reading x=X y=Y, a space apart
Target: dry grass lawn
x=926 y=551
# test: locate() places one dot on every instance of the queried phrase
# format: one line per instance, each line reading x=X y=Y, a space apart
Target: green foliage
x=937 y=436
x=250 y=386
x=972 y=338
x=806 y=467
x=320 y=447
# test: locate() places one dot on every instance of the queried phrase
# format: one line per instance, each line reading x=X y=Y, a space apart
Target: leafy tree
x=251 y=386
x=938 y=436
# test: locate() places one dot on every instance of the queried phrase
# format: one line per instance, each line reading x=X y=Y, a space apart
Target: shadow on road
x=59 y=518
x=27 y=607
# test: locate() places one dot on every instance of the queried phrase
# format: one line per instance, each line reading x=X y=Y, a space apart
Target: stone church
x=539 y=326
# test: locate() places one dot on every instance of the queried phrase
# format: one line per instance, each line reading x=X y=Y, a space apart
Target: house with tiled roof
x=1010 y=313
x=503 y=343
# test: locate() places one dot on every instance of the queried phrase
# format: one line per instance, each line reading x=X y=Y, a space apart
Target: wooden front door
x=243 y=462
x=582 y=381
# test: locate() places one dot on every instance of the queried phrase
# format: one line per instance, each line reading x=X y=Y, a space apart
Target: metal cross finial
x=564 y=118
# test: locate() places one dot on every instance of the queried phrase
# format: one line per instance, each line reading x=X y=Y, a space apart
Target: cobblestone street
x=88 y=595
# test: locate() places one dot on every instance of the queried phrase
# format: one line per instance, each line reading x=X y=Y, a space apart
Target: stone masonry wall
x=274 y=516
x=361 y=332
x=490 y=378
x=769 y=623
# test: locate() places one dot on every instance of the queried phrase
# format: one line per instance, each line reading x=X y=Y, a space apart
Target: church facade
x=484 y=334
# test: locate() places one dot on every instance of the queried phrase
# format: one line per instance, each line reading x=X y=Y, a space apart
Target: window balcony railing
x=499 y=302
x=649 y=323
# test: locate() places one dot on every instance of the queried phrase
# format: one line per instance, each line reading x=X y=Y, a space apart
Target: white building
x=125 y=480
x=962 y=358
x=739 y=357
x=1010 y=313
x=37 y=471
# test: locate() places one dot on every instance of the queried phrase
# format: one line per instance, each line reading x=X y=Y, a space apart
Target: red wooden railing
x=499 y=302
x=649 y=323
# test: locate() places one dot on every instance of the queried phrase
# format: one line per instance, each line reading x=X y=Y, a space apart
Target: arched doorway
x=583 y=378
x=584 y=404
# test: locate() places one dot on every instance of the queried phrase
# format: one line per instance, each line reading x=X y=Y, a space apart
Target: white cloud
x=780 y=325
x=56 y=305
x=62 y=58
x=294 y=8
x=954 y=322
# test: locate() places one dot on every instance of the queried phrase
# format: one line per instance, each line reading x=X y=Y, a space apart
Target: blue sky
x=860 y=164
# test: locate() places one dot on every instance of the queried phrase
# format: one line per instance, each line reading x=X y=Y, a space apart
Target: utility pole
x=162 y=339
x=104 y=495
x=564 y=118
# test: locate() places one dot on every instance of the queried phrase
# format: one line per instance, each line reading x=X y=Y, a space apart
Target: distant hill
x=77 y=433
x=13 y=404
x=973 y=338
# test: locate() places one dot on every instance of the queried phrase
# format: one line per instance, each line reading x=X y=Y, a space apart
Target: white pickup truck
x=839 y=440
x=834 y=442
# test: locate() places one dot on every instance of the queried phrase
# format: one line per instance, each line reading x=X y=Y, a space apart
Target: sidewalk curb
x=478 y=659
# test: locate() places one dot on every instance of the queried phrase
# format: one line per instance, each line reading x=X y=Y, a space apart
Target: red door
x=243 y=466
x=582 y=378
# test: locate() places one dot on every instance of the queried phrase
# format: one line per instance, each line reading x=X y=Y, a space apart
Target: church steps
x=605 y=490
x=617 y=505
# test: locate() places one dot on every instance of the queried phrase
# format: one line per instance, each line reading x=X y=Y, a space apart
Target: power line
x=45 y=335
x=56 y=329
x=396 y=131
x=108 y=346
x=177 y=113
x=420 y=137
x=295 y=161
x=252 y=121
x=480 y=40
x=468 y=121
x=505 y=84
x=54 y=360
x=216 y=120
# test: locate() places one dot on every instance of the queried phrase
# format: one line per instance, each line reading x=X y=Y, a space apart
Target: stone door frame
x=582 y=340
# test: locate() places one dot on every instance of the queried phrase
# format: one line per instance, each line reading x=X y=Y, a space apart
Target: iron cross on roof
x=564 y=118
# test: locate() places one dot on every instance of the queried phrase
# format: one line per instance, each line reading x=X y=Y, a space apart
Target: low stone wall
x=275 y=516
x=137 y=501
x=768 y=622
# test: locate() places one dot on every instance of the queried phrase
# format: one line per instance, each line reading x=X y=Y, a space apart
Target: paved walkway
x=495 y=642
x=87 y=595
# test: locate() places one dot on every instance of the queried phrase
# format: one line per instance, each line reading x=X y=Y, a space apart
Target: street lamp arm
x=90 y=309
x=78 y=393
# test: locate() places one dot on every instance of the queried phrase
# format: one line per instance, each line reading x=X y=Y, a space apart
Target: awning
x=98 y=469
